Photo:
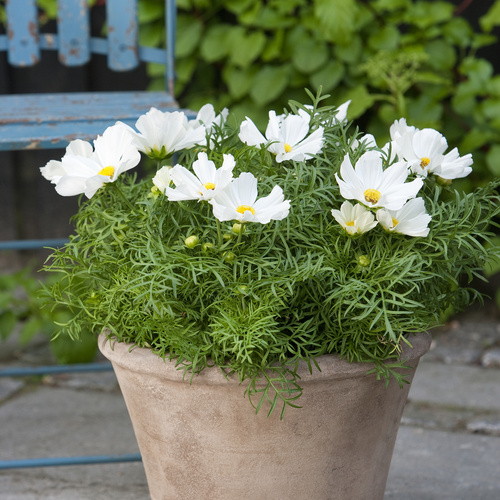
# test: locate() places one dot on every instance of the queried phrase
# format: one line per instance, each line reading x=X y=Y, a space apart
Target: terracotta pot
x=204 y=440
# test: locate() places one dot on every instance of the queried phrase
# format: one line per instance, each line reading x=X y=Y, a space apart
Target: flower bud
x=443 y=182
x=238 y=228
x=207 y=246
x=363 y=261
x=227 y=236
x=191 y=241
x=229 y=257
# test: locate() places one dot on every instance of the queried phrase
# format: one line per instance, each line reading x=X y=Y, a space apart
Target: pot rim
x=143 y=360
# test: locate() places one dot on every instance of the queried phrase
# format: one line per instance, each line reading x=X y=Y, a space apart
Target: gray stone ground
x=448 y=446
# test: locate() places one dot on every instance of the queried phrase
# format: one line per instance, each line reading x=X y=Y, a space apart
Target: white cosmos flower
x=162 y=178
x=54 y=169
x=341 y=112
x=83 y=170
x=162 y=133
x=207 y=182
x=355 y=219
x=238 y=201
x=411 y=219
x=287 y=136
x=424 y=150
x=375 y=187
x=213 y=123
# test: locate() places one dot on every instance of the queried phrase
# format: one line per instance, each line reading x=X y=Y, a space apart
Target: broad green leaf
x=29 y=329
x=493 y=160
x=391 y=4
x=458 y=32
x=329 y=76
x=491 y=18
x=148 y=11
x=239 y=6
x=336 y=19
x=152 y=35
x=270 y=19
x=490 y=107
x=361 y=100
x=189 y=32
x=310 y=56
x=185 y=69
x=478 y=73
x=269 y=83
x=214 y=45
x=350 y=53
x=441 y=55
x=425 y=15
x=386 y=38
x=274 y=46
x=483 y=40
x=474 y=139
x=238 y=80
x=245 y=46
x=8 y=321
x=425 y=111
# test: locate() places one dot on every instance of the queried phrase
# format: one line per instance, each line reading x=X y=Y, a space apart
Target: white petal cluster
x=287 y=136
x=355 y=219
x=373 y=186
x=424 y=150
x=411 y=219
x=206 y=182
x=84 y=169
x=162 y=133
x=238 y=201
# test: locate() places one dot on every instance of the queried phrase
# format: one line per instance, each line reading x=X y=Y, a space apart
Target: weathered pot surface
x=204 y=440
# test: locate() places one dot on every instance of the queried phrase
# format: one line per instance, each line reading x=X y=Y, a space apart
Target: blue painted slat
x=74 y=32
x=34 y=121
x=32 y=244
x=22 y=31
x=170 y=30
x=58 y=461
x=30 y=371
x=122 y=34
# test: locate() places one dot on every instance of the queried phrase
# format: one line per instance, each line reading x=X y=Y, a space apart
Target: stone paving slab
x=458 y=386
x=436 y=465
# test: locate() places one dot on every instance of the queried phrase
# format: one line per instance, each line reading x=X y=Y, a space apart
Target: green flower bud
x=363 y=260
x=207 y=246
x=238 y=228
x=227 y=236
x=229 y=257
x=191 y=241
x=443 y=182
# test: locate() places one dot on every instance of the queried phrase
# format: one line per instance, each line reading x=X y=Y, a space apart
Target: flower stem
x=129 y=205
x=219 y=233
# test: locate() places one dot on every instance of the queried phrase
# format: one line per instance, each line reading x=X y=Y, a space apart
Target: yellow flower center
x=243 y=208
x=107 y=171
x=350 y=223
x=395 y=222
x=288 y=148
x=424 y=161
x=372 y=195
x=209 y=185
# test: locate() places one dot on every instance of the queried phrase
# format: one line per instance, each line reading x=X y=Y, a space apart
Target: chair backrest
x=24 y=42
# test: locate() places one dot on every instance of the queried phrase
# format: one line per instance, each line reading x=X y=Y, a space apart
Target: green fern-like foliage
x=257 y=301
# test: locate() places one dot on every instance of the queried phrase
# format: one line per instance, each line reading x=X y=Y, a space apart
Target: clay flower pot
x=204 y=440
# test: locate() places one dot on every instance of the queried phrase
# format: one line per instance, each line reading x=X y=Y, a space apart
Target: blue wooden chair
x=48 y=121
x=52 y=120
x=42 y=121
